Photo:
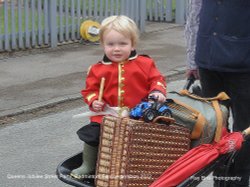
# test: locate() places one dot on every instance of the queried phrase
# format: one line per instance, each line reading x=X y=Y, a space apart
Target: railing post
x=142 y=15
x=6 y=28
x=180 y=11
x=1 y=35
x=53 y=23
x=169 y=10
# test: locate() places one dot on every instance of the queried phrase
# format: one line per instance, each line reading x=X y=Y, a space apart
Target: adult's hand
x=193 y=72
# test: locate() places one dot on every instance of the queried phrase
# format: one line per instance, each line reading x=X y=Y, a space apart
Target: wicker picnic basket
x=133 y=153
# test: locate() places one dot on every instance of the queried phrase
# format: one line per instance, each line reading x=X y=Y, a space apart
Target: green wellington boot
x=89 y=156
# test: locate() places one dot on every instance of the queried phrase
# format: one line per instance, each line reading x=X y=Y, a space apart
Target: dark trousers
x=237 y=86
x=90 y=133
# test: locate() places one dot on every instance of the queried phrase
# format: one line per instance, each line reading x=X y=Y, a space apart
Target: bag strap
x=219 y=118
x=215 y=103
x=222 y=96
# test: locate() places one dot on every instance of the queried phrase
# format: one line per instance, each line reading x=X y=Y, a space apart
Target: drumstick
x=101 y=89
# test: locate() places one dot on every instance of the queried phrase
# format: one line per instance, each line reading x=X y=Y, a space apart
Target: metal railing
x=36 y=23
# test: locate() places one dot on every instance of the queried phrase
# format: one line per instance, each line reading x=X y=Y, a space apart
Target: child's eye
x=123 y=43
x=110 y=44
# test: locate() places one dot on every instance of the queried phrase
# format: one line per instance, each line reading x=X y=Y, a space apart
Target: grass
x=23 y=21
x=23 y=24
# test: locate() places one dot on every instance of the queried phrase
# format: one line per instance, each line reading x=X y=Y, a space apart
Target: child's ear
x=134 y=46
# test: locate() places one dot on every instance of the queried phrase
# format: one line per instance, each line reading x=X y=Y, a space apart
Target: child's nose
x=117 y=47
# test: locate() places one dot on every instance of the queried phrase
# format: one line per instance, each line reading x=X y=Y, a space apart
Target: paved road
x=31 y=151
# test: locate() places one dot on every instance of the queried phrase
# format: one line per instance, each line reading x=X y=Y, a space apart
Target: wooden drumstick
x=101 y=89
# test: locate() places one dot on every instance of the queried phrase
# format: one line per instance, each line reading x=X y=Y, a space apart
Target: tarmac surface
x=37 y=78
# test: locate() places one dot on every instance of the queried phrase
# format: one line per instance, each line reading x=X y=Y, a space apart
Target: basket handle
x=168 y=120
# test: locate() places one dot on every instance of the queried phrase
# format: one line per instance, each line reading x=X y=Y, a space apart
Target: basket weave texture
x=133 y=153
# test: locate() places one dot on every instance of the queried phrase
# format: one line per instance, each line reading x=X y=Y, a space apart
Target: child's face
x=117 y=47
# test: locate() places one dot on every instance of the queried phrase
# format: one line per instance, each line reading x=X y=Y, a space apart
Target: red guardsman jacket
x=126 y=83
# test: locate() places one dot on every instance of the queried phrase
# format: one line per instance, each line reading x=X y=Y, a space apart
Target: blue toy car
x=148 y=111
x=137 y=111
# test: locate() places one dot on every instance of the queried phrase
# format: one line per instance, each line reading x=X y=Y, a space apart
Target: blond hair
x=121 y=24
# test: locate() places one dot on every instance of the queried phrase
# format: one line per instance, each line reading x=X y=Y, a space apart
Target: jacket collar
x=132 y=56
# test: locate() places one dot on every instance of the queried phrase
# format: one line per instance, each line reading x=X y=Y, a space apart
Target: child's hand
x=160 y=97
x=98 y=106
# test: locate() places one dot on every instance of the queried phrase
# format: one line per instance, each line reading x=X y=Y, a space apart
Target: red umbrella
x=197 y=158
